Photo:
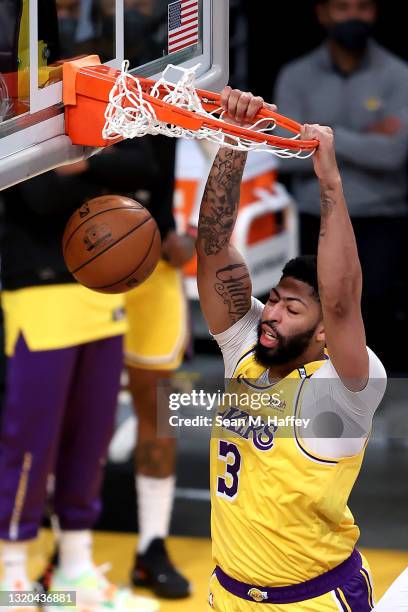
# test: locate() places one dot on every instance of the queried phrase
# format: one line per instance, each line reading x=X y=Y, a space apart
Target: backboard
x=40 y=34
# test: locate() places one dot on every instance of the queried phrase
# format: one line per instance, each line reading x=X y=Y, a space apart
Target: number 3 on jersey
x=227 y=485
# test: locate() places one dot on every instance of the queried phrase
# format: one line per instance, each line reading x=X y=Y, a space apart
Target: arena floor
x=193 y=556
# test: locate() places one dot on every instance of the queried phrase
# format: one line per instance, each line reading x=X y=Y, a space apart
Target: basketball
x=111 y=244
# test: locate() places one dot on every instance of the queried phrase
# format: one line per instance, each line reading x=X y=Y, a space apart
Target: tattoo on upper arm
x=327 y=203
x=220 y=201
x=233 y=284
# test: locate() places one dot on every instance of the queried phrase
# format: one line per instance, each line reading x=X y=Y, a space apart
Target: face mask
x=352 y=34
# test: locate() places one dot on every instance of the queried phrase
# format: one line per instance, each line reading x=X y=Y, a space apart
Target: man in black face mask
x=349 y=25
x=360 y=89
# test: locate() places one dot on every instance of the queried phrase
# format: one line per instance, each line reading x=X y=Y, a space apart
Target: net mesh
x=130 y=114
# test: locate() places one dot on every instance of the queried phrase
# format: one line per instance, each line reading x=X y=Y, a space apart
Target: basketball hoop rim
x=212 y=101
x=88 y=78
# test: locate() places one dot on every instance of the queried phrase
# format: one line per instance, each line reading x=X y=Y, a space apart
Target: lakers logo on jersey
x=249 y=427
x=257 y=595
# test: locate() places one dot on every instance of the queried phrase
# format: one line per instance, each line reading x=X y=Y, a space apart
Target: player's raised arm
x=338 y=268
x=224 y=283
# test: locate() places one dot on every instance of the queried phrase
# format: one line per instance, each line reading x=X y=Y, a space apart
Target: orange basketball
x=111 y=244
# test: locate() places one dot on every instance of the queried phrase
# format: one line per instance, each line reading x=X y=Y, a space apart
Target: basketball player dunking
x=282 y=532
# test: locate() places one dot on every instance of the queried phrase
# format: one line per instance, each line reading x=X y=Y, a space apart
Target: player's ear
x=320 y=334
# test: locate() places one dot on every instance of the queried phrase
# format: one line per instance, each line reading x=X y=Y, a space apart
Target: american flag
x=183 y=24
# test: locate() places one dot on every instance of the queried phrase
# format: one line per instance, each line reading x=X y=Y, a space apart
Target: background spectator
x=361 y=90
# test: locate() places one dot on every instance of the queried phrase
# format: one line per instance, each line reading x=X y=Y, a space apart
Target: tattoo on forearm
x=234 y=286
x=220 y=201
x=327 y=203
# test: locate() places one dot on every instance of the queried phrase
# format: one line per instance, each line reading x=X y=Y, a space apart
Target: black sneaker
x=45 y=578
x=155 y=570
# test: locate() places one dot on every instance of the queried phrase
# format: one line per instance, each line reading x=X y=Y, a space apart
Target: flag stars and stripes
x=182 y=24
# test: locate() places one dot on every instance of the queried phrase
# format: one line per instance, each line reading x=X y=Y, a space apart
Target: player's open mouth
x=268 y=338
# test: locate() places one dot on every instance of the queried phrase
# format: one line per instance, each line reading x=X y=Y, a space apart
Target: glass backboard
x=39 y=35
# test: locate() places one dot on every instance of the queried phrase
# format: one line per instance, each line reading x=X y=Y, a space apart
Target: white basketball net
x=130 y=115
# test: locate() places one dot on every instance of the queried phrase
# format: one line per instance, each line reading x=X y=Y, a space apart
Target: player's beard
x=287 y=350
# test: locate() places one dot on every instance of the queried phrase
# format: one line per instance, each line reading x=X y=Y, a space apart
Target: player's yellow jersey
x=279 y=513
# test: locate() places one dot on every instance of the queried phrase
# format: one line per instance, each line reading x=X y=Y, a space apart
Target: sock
x=155 y=503
x=75 y=549
x=14 y=555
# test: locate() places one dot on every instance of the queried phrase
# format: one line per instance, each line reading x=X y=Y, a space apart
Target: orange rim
x=211 y=101
x=97 y=80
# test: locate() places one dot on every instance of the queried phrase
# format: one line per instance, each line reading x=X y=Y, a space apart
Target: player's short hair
x=303 y=268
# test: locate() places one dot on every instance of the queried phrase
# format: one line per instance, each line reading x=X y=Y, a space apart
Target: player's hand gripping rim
x=241 y=108
x=324 y=159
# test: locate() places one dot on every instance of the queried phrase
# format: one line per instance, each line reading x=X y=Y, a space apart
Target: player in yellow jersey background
x=64 y=347
x=157 y=313
x=282 y=532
